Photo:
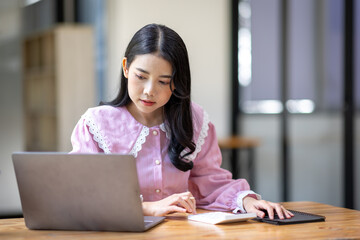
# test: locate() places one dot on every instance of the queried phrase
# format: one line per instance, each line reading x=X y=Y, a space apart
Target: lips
x=147 y=102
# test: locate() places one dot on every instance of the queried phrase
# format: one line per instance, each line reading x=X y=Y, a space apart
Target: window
x=315 y=56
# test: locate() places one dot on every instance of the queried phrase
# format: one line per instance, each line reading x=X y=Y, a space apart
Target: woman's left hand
x=253 y=205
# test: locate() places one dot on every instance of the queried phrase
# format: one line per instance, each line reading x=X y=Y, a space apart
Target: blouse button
x=157 y=162
x=155 y=133
x=157 y=190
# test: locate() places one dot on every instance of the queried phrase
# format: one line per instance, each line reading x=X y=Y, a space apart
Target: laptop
x=87 y=192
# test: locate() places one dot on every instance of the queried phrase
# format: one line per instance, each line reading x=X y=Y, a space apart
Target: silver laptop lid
x=79 y=191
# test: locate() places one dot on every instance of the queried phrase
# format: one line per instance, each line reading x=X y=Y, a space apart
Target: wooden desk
x=340 y=223
x=236 y=144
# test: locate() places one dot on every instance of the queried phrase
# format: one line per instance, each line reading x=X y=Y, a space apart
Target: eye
x=163 y=82
x=139 y=76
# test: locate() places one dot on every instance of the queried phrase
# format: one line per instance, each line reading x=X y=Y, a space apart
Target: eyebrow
x=144 y=71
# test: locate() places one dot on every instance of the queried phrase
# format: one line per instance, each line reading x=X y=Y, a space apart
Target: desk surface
x=340 y=223
x=237 y=142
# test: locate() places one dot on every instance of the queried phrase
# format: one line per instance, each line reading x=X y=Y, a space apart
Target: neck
x=147 y=119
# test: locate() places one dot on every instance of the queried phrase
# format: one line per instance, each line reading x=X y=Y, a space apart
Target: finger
x=190 y=199
x=267 y=207
x=193 y=201
x=272 y=208
x=279 y=210
x=259 y=213
x=261 y=207
x=288 y=214
x=185 y=194
x=270 y=211
x=173 y=208
x=184 y=202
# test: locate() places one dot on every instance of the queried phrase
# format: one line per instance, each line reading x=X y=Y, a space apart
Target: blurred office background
x=290 y=98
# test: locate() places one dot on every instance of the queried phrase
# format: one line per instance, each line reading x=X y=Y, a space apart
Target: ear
x=125 y=69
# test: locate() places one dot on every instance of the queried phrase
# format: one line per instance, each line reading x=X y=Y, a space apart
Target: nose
x=149 y=88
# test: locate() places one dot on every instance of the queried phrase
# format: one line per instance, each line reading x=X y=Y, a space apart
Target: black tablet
x=299 y=217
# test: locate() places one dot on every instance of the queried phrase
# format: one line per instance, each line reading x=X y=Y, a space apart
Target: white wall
x=204 y=26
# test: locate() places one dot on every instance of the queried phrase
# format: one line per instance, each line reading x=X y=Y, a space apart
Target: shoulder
x=106 y=112
x=110 y=119
x=104 y=109
x=199 y=116
x=112 y=126
x=196 y=108
x=201 y=123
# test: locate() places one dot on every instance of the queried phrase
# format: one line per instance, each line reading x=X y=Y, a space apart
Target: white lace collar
x=142 y=138
x=97 y=135
x=201 y=139
x=140 y=141
x=104 y=145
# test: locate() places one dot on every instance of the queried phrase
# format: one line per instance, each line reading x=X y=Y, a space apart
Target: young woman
x=173 y=141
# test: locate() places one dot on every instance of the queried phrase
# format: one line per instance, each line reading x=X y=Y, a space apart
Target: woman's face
x=149 y=78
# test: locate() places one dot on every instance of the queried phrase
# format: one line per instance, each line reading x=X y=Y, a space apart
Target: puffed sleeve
x=82 y=139
x=212 y=186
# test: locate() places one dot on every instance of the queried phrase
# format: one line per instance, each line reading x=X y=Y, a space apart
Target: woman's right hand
x=180 y=202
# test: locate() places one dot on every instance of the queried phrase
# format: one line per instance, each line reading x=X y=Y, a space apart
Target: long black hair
x=166 y=43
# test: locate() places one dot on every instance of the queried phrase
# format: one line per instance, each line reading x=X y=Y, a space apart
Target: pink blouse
x=114 y=130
